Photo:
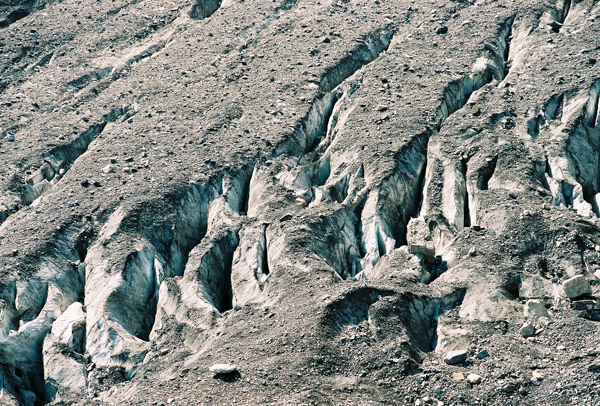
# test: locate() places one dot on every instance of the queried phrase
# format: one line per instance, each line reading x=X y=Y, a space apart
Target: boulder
x=474 y=379
x=223 y=368
x=576 y=286
x=534 y=309
x=527 y=330
x=419 y=239
x=456 y=357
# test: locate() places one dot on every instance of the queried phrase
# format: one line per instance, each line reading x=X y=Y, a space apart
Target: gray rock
x=456 y=357
x=527 y=330
x=594 y=367
x=419 y=240
x=535 y=287
x=482 y=354
x=534 y=309
x=474 y=379
x=223 y=368
x=576 y=286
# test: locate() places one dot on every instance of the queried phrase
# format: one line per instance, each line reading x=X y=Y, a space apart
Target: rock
x=458 y=376
x=535 y=287
x=442 y=29
x=576 y=286
x=164 y=351
x=10 y=137
x=594 y=367
x=536 y=376
x=301 y=202
x=482 y=354
x=418 y=238
x=534 y=309
x=527 y=330
x=108 y=169
x=474 y=379
x=456 y=357
x=542 y=322
x=223 y=368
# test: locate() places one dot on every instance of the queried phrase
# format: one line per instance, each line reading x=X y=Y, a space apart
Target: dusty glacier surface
x=326 y=202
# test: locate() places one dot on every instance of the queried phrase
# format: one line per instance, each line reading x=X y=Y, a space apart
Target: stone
x=474 y=379
x=223 y=368
x=536 y=376
x=535 y=287
x=442 y=29
x=418 y=238
x=108 y=169
x=301 y=202
x=10 y=137
x=534 y=309
x=576 y=286
x=527 y=329
x=456 y=357
x=458 y=376
x=594 y=367
x=482 y=354
x=543 y=322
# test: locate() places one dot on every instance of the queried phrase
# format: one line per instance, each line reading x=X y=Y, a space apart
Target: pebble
x=474 y=379
x=223 y=368
x=458 y=376
x=442 y=29
x=482 y=354
x=536 y=376
x=10 y=137
x=527 y=330
x=456 y=357
x=108 y=169
x=301 y=202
